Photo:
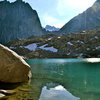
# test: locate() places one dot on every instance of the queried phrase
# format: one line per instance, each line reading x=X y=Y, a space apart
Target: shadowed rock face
x=13 y=68
x=88 y=20
x=18 y=20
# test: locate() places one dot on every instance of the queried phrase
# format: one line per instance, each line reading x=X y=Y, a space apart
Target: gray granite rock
x=18 y=20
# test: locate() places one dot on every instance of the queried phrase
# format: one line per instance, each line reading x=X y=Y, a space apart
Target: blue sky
x=58 y=12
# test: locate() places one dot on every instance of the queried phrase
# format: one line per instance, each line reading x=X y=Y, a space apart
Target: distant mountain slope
x=88 y=20
x=51 y=28
x=18 y=20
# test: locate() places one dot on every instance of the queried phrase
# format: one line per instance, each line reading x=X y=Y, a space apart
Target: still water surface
x=61 y=79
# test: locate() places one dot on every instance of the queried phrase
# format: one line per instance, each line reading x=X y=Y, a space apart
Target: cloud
x=54 y=21
x=50 y=19
x=70 y=6
x=60 y=24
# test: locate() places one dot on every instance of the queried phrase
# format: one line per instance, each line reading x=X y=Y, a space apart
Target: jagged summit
x=18 y=20
x=51 y=28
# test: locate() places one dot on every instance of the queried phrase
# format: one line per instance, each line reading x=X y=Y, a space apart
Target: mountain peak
x=51 y=28
x=18 y=20
x=88 y=20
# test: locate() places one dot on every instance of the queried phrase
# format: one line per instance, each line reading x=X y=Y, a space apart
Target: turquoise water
x=59 y=79
x=65 y=79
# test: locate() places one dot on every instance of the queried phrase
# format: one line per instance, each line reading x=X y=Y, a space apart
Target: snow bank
x=31 y=47
x=97 y=47
x=48 y=48
x=80 y=41
x=69 y=43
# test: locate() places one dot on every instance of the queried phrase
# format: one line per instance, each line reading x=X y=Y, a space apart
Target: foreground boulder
x=13 y=68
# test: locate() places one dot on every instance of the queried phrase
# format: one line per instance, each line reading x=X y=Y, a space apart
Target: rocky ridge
x=51 y=28
x=18 y=20
x=88 y=20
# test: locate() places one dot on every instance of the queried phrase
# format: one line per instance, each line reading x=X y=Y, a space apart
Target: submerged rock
x=2 y=96
x=7 y=92
x=13 y=68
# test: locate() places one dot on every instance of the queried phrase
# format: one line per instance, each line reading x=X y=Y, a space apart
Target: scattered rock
x=67 y=45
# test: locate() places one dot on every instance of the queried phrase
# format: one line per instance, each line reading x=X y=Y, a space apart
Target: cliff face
x=88 y=20
x=18 y=20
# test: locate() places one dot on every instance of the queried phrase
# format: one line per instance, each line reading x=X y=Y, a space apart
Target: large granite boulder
x=13 y=68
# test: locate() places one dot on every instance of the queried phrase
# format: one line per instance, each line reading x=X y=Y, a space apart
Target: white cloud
x=50 y=19
x=54 y=21
x=69 y=6
x=61 y=23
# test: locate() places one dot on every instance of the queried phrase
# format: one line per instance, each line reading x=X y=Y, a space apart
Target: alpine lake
x=60 y=79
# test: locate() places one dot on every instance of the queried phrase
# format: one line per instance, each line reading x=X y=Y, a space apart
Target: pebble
x=25 y=90
x=7 y=92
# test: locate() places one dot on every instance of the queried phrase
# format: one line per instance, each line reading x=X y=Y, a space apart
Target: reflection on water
x=77 y=76
x=56 y=93
x=60 y=79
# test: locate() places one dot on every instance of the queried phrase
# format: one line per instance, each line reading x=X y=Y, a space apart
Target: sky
x=58 y=12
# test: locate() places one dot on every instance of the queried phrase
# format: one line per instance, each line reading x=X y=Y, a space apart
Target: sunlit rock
x=12 y=67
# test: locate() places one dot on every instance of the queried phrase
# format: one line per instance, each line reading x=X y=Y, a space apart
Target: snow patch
x=87 y=49
x=80 y=41
x=80 y=55
x=97 y=47
x=48 y=48
x=96 y=37
x=12 y=47
x=68 y=53
x=31 y=47
x=49 y=38
x=69 y=43
x=58 y=37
